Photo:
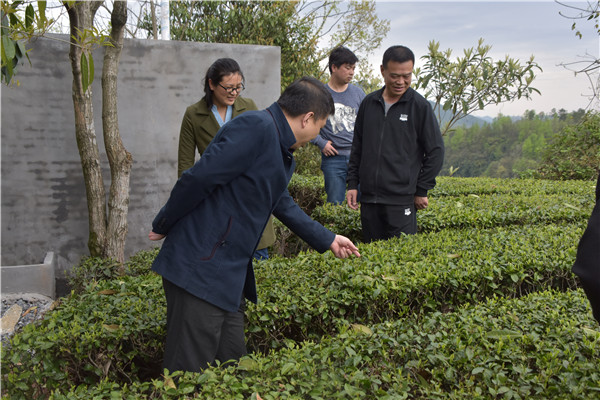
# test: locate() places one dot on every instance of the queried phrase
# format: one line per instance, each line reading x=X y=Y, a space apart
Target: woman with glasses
x=223 y=84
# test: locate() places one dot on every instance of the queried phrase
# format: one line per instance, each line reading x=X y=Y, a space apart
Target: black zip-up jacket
x=397 y=156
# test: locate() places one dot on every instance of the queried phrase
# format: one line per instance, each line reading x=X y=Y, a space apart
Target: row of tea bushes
x=307 y=297
x=309 y=191
x=542 y=346
x=449 y=212
x=106 y=340
x=450 y=186
x=115 y=329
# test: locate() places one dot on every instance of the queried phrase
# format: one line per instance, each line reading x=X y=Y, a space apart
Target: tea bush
x=481 y=304
x=542 y=346
x=308 y=296
x=113 y=330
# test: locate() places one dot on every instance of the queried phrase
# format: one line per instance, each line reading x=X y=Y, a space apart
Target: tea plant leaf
x=362 y=329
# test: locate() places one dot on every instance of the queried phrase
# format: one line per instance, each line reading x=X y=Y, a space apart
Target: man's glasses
x=233 y=89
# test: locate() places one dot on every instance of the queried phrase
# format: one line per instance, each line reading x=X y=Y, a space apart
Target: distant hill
x=470 y=120
x=466 y=122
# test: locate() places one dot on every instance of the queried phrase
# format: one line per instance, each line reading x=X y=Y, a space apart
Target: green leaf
x=84 y=72
x=8 y=46
x=503 y=334
x=287 y=368
x=29 y=16
x=42 y=14
x=91 y=68
x=362 y=329
x=248 y=364
x=111 y=327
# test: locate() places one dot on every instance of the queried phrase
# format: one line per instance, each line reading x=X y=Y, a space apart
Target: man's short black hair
x=398 y=54
x=340 y=56
x=305 y=95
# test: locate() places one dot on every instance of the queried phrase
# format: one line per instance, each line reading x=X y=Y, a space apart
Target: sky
x=516 y=29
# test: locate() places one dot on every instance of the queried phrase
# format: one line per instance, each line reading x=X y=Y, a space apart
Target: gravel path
x=33 y=307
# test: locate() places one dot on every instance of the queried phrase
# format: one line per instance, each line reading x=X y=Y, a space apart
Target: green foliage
x=542 y=346
x=505 y=148
x=17 y=28
x=92 y=270
x=113 y=330
x=297 y=27
x=481 y=311
x=575 y=152
x=308 y=192
x=308 y=160
x=311 y=295
x=472 y=82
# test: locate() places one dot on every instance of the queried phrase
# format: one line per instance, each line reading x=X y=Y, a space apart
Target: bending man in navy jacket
x=214 y=218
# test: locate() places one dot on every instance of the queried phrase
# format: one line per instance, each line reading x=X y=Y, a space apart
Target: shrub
x=308 y=160
x=436 y=315
x=113 y=330
x=309 y=296
x=91 y=270
x=543 y=346
x=574 y=153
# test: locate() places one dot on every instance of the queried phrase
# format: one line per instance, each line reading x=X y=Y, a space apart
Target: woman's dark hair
x=340 y=56
x=220 y=68
x=398 y=54
x=305 y=95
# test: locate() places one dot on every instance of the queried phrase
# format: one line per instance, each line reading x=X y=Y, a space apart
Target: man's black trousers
x=198 y=333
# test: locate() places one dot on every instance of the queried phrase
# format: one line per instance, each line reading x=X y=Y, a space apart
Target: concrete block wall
x=44 y=205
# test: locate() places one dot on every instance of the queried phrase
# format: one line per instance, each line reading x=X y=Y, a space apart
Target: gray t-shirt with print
x=340 y=126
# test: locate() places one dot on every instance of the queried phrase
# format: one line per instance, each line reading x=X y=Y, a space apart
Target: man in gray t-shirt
x=335 y=139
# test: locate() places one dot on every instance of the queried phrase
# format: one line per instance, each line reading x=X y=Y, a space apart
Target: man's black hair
x=340 y=56
x=398 y=54
x=219 y=69
x=305 y=95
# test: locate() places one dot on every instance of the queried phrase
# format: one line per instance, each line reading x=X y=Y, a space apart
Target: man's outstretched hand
x=343 y=247
x=155 y=236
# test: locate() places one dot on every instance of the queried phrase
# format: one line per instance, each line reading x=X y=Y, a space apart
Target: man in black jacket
x=397 y=152
x=587 y=263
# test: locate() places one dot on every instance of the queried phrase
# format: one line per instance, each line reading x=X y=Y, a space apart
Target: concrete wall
x=43 y=196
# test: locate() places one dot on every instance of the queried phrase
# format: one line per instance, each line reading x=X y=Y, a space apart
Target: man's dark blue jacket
x=218 y=209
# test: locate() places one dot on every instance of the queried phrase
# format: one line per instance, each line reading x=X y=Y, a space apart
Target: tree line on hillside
x=527 y=147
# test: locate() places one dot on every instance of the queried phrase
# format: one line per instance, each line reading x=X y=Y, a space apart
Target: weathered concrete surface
x=43 y=196
x=35 y=278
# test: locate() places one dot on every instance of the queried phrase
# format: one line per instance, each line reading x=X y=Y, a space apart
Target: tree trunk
x=153 y=19
x=81 y=17
x=119 y=158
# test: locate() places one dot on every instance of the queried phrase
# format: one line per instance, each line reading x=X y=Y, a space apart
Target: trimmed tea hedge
x=459 y=203
x=412 y=318
x=450 y=186
x=114 y=330
x=307 y=297
x=543 y=346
